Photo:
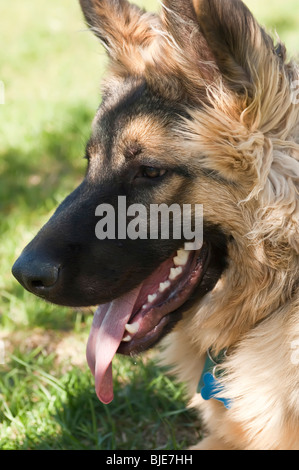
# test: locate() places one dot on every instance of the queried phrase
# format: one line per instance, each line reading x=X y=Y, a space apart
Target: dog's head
x=196 y=109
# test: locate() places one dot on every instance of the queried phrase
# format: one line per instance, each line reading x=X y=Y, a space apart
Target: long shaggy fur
x=243 y=127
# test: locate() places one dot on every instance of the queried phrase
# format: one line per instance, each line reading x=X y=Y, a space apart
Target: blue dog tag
x=208 y=386
x=211 y=388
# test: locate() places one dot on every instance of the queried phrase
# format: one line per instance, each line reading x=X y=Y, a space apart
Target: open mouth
x=140 y=318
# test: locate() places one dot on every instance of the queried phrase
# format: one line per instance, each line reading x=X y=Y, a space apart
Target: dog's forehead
x=131 y=121
x=119 y=94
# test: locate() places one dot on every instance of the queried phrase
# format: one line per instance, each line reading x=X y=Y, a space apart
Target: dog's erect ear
x=121 y=27
x=184 y=56
x=219 y=37
x=180 y=21
x=240 y=46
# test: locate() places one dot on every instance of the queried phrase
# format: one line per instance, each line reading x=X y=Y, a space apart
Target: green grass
x=51 y=68
x=42 y=409
x=280 y=18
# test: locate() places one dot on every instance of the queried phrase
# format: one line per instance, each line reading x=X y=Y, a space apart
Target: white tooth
x=181 y=258
x=163 y=286
x=151 y=298
x=175 y=272
x=132 y=328
x=126 y=339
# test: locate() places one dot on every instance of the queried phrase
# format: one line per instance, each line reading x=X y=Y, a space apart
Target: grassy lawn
x=51 y=69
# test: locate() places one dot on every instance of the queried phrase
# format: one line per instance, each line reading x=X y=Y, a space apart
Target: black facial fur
x=65 y=263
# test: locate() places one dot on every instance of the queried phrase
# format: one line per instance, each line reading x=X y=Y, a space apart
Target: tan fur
x=243 y=126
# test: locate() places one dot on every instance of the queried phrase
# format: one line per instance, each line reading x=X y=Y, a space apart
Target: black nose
x=35 y=275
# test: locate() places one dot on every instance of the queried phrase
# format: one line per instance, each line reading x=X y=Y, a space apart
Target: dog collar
x=209 y=385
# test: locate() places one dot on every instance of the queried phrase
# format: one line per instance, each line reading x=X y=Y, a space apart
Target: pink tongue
x=104 y=338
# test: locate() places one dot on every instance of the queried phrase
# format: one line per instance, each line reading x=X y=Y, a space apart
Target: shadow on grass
x=52 y=161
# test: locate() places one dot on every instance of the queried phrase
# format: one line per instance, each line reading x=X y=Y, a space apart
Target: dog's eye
x=149 y=174
x=152 y=172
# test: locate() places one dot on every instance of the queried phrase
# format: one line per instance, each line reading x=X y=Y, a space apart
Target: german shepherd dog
x=198 y=108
